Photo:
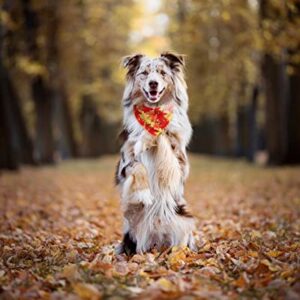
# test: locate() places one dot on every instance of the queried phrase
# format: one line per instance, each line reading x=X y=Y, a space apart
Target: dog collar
x=153 y=119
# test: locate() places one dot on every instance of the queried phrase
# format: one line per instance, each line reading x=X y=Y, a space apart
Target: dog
x=153 y=165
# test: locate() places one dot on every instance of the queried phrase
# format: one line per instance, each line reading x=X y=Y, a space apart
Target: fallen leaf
x=253 y=253
x=242 y=281
x=274 y=253
x=272 y=267
x=121 y=268
x=177 y=257
x=70 y=272
x=165 y=285
x=87 y=291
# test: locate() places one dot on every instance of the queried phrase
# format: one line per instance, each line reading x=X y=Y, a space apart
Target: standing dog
x=153 y=166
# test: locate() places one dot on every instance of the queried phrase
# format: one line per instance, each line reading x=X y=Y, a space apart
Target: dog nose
x=153 y=84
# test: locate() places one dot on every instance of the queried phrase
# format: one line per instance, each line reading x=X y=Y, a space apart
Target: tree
x=41 y=92
x=280 y=70
x=293 y=152
x=219 y=39
x=275 y=82
x=15 y=143
x=61 y=58
x=63 y=122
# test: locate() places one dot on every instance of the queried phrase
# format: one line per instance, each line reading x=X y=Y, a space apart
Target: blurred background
x=61 y=82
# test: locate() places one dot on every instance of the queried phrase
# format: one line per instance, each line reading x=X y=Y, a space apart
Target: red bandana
x=154 y=120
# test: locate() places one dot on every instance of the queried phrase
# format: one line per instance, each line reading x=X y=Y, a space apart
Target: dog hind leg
x=136 y=186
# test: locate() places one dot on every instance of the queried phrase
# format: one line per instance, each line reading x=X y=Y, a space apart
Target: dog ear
x=175 y=61
x=131 y=63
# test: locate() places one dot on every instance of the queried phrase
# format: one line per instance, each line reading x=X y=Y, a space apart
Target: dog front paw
x=139 y=148
x=144 y=144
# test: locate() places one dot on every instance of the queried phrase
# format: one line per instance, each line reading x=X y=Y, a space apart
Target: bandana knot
x=154 y=120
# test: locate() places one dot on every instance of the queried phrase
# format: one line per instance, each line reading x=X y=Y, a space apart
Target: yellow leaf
x=255 y=234
x=177 y=257
x=212 y=262
x=272 y=267
x=143 y=274
x=165 y=284
x=274 y=253
x=295 y=246
x=253 y=253
x=206 y=247
x=87 y=291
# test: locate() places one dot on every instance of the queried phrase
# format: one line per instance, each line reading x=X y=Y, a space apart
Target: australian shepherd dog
x=153 y=165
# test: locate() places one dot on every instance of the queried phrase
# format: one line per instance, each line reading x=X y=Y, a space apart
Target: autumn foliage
x=59 y=227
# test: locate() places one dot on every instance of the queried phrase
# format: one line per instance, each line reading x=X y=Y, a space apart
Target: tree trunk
x=64 y=139
x=276 y=92
x=203 y=136
x=90 y=123
x=9 y=146
x=276 y=109
x=242 y=131
x=89 y=119
x=293 y=152
x=15 y=143
x=44 y=142
x=252 y=123
x=222 y=140
x=25 y=142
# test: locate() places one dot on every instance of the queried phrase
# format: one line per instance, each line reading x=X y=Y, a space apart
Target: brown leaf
x=121 y=268
x=70 y=272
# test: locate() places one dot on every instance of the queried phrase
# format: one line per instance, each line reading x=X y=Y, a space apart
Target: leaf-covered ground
x=59 y=226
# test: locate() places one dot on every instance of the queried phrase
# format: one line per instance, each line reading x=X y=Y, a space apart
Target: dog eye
x=163 y=73
x=145 y=73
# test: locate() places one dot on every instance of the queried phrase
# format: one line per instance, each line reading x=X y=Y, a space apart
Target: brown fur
x=132 y=63
x=123 y=136
x=140 y=177
x=182 y=211
x=175 y=61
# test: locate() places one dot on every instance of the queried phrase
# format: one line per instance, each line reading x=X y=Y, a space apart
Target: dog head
x=153 y=80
